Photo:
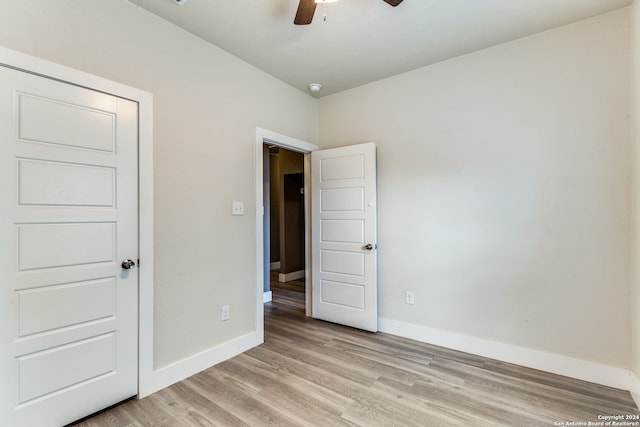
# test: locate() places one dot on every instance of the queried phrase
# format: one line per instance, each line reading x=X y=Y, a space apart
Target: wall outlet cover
x=410 y=297
x=237 y=208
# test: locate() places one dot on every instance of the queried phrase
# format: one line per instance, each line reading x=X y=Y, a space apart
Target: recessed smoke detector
x=315 y=87
x=180 y=2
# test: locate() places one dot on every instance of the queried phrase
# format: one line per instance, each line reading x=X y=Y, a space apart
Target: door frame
x=30 y=64
x=264 y=136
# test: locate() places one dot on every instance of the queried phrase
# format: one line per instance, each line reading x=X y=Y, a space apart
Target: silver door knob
x=368 y=247
x=128 y=264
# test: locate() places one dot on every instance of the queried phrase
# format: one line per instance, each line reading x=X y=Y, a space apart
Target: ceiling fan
x=306 y=9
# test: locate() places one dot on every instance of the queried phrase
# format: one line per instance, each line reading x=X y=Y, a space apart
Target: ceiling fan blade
x=306 y=9
x=394 y=3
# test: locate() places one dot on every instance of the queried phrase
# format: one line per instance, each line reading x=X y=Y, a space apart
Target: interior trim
x=550 y=362
x=266 y=136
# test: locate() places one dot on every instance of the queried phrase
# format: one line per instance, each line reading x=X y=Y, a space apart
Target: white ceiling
x=365 y=40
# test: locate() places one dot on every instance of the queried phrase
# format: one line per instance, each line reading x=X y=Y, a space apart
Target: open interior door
x=343 y=241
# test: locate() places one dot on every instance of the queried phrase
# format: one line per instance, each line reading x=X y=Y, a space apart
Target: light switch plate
x=237 y=208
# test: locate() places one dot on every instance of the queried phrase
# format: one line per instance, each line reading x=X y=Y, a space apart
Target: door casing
x=264 y=136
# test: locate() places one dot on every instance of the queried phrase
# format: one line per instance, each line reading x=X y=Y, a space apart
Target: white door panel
x=342 y=200
x=73 y=122
x=68 y=217
x=342 y=167
x=62 y=245
x=346 y=294
x=64 y=184
x=342 y=262
x=47 y=371
x=342 y=231
x=59 y=306
x=344 y=270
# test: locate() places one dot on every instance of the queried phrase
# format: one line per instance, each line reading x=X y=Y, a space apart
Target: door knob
x=368 y=247
x=128 y=264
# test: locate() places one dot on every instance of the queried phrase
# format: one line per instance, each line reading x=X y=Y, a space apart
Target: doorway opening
x=284 y=222
x=264 y=140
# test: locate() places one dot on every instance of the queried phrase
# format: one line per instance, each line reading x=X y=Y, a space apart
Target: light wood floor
x=313 y=373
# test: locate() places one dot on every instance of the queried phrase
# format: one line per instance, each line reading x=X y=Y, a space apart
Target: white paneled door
x=68 y=220
x=344 y=260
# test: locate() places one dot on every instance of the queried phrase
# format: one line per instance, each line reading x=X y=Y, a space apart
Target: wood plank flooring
x=313 y=373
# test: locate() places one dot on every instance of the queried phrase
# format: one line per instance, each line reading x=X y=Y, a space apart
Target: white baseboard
x=635 y=389
x=184 y=368
x=285 y=277
x=275 y=265
x=550 y=362
x=267 y=296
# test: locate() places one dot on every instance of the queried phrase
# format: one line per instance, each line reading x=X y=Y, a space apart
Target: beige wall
x=207 y=105
x=503 y=185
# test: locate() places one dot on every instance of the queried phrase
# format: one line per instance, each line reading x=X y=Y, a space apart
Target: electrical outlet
x=237 y=208
x=409 y=297
x=225 y=313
